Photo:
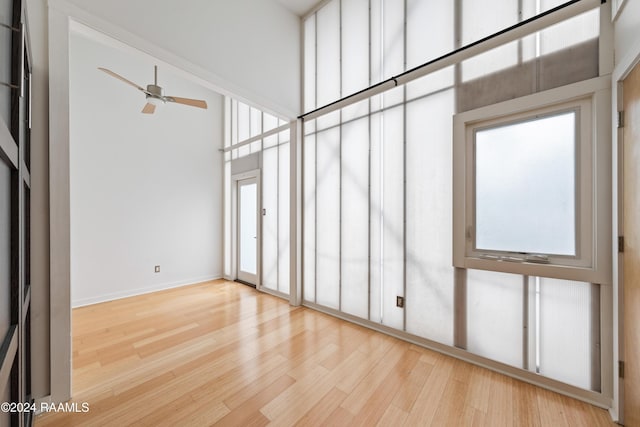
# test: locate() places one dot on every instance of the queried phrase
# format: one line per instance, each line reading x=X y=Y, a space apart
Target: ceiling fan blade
x=119 y=77
x=149 y=108
x=187 y=101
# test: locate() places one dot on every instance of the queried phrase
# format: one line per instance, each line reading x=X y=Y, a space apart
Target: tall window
x=252 y=133
x=380 y=206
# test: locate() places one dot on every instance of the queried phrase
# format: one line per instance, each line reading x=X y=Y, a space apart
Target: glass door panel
x=248 y=230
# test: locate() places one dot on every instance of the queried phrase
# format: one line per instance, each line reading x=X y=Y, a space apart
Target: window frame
x=592 y=261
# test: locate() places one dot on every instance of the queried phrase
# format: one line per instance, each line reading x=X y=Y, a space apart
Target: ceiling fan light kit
x=155 y=94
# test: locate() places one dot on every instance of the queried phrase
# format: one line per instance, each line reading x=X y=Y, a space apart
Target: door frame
x=620 y=73
x=235 y=179
x=243 y=276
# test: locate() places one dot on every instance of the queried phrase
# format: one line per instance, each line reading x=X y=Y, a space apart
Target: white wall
x=626 y=27
x=250 y=48
x=146 y=190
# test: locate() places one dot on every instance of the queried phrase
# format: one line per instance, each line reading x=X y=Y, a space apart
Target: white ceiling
x=299 y=7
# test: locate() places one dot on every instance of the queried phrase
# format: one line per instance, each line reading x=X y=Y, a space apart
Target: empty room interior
x=334 y=212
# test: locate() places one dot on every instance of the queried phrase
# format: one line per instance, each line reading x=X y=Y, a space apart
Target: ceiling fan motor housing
x=155 y=91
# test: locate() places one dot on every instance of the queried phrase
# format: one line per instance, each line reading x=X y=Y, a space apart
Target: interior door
x=248 y=231
x=631 y=255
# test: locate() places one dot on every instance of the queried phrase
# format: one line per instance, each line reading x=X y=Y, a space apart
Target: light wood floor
x=221 y=353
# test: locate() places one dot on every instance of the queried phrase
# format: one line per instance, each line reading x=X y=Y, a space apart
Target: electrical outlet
x=399 y=301
x=157 y=269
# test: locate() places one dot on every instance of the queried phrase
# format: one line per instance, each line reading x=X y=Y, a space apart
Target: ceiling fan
x=155 y=94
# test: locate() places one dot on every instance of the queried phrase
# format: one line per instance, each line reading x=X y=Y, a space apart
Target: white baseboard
x=614 y=415
x=140 y=291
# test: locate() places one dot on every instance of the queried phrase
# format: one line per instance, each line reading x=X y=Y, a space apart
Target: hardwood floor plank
x=407 y=395
x=321 y=410
x=431 y=394
x=248 y=413
x=453 y=402
x=380 y=398
x=338 y=418
x=220 y=352
x=292 y=404
x=501 y=406
x=479 y=389
x=393 y=416
x=370 y=383
x=525 y=405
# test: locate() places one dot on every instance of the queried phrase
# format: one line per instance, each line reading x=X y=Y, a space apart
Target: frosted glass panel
x=355 y=111
x=571 y=32
x=328 y=120
x=328 y=218
x=566 y=346
x=283 y=218
x=255 y=147
x=525 y=186
x=284 y=136
x=270 y=141
x=228 y=102
x=270 y=122
x=234 y=122
x=309 y=64
x=328 y=53
x=309 y=126
x=375 y=266
x=430 y=30
x=495 y=316
x=256 y=122
x=244 y=119
x=248 y=229
x=375 y=37
x=429 y=35
x=392 y=45
x=490 y=62
x=227 y=219
x=309 y=231
x=430 y=83
x=270 y=218
x=393 y=38
x=243 y=151
x=429 y=302
x=355 y=218
x=483 y=18
x=392 y=174
x=355 y=45
x=355 y=54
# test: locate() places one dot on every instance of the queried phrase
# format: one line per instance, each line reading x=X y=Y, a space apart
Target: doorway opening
x=247 y=233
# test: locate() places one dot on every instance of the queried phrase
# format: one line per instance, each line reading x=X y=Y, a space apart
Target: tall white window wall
x=378 y=178
x=252 y=132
